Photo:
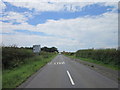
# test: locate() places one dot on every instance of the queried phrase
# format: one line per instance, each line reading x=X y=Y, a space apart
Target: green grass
x=13 y=78
x=97 y=62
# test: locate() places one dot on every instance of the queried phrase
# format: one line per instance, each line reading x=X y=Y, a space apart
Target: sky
x=69 y=26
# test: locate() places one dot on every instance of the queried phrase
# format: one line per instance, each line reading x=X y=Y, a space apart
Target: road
x=62 y=72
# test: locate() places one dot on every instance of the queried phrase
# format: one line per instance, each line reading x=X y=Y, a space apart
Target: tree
x=52 y=49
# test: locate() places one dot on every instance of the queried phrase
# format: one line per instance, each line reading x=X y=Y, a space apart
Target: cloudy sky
x=69 y=26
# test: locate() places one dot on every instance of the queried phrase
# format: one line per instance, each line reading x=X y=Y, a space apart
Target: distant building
x=36 y=48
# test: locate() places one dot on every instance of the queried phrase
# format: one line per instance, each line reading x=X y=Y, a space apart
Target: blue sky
x=60 y=23
x=31 y=32
x=42 y=17
x=10 y=7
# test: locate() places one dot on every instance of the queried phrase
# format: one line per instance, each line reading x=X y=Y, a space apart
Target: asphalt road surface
x=62 y=72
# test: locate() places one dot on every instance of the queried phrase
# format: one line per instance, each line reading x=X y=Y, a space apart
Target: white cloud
x=114 y=4
x=14 y=17
x=27 y=40
x=72 y=5
x=9 y=27
x=53 y=6
x=73 y=34
x=2 y=6
x=62 y=0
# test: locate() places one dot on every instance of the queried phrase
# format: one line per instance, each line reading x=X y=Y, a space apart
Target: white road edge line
x=70 y=78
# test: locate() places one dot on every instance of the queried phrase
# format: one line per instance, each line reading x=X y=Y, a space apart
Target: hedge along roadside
x=105 y=57
x=14 y=77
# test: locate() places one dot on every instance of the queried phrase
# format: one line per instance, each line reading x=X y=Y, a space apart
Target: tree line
x=45 y=49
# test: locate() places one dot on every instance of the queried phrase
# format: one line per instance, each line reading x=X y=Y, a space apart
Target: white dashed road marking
x=72 y=82
x=54 y=63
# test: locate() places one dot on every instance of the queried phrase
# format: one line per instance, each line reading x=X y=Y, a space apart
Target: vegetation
x=106 y=57
x=21 y=63
x=13 y=78
x=14 y=56
x=52 y=49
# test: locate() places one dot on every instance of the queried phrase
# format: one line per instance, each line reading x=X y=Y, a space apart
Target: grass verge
x=96 y=62
x=13 y=78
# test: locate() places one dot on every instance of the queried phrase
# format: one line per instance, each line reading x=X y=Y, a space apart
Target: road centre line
x=72 y=82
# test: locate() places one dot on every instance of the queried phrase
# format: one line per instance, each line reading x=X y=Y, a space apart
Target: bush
x=46 y=54
x=107 y=56
x=14 y=56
